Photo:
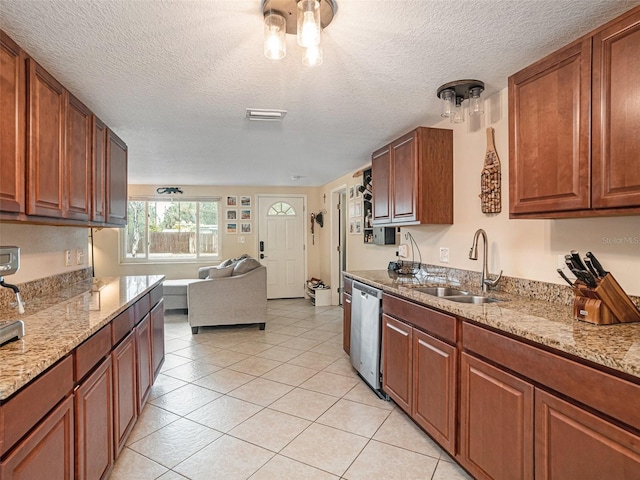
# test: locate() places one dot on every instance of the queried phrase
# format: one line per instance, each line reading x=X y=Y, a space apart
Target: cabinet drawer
x=33 y=402
x=565 y=376
x=156 y=295
x=91 y=352
x=141 y=308
x=437 y=323
x=121 y=326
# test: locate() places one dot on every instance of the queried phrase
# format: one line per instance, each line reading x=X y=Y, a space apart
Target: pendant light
x=275 y=46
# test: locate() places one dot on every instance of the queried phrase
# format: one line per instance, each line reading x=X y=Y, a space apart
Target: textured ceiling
x=173 y=77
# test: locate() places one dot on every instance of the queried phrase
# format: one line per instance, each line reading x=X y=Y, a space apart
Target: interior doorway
x=338 y=242
x=281 y=243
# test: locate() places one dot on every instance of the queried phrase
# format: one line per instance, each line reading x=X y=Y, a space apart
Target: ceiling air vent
x=265 y=114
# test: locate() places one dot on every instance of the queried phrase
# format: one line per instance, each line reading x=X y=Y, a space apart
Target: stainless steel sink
x=441 y=291
x=475 y=299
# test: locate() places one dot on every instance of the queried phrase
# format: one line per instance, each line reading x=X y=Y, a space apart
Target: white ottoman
x=175 y=292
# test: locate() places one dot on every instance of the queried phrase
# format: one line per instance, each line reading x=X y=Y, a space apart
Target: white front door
x=281 y=247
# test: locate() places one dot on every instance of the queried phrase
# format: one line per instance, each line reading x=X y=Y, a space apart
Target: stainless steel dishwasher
x=366 y=323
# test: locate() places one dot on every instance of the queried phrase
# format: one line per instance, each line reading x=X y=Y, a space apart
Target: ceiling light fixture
x=265 y=114
x=452 y=95
x=304 y=18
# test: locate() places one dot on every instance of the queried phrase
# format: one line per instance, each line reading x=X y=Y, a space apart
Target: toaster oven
x=9 y=260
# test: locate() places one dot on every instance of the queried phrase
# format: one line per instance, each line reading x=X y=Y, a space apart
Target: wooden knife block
x=606 y=304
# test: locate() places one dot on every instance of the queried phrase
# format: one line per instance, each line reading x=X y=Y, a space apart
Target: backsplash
x=41 y=287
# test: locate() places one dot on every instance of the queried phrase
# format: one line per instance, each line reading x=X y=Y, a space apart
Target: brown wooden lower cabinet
x=157 y=335
x=144 y=360
x=397 y=374
x=47 y=452
x=573 y=443
x=125 y=411
x=346 y=323
x=496 y=422
x=435 y=379
x=94 y=424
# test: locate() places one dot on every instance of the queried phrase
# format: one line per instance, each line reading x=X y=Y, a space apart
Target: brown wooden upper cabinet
x=116 y=194
x=574 y=147
x=46 y=153
x=59 y=164
x=12 y=125
x=412 y=179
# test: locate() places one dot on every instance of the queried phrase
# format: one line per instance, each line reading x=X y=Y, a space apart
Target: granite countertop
x=56 y=324
x=543 y=322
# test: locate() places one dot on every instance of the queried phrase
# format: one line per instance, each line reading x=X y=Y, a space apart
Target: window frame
x=122 y=234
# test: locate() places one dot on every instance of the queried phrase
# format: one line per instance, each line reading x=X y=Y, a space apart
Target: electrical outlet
x=444 y=255
x=403 y=250
x=79 y=256
x=67 y=258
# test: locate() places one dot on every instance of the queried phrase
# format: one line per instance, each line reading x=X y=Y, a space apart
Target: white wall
x=106 y=241
x=42 y=249
x=522 y=248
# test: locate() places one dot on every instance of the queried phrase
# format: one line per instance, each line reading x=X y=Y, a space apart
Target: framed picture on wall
x=245 y=201
x=245 y=214
x=232 y=201
x=232 y=228
x=358 y=227
x=357 y=209
x=351 y=191
x=245 y=228
x=232 y=214
x=352 y=209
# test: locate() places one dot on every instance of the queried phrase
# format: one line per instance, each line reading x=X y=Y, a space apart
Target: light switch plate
x=444 y=255
x=403 y=250
x=67 y=258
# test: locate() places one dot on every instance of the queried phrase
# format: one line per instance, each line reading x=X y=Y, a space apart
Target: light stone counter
x=56 y=324
x=543 y=322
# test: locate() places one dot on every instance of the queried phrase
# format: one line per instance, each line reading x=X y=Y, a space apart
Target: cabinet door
x=397 y=372
x=404 y=178
x=144 y=361
x=157 y=324
x=434 y=388
x=12 y=125
x=549 y=141
x=496 y=422
x=78 y=160
x=94 y=424
x=47 y=452
x=346 y=323
x=99 y=167
x=616 y=115
x=45 y=167
x=124 y=391
x=381 y=185
x=116 y=180
x=572 y=443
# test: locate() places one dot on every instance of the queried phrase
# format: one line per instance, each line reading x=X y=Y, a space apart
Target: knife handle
x=577 y=260
x=596 y=264
x=589 y=265
x=566 y=279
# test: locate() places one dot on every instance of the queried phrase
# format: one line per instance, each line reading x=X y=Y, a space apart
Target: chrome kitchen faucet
x=485 y=281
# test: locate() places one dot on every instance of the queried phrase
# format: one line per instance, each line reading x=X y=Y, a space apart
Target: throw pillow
x=226 y=263
x=245 y=265
x=220 y=272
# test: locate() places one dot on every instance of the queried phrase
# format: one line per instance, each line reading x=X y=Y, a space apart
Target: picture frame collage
x=238 y=215
x=355 y=210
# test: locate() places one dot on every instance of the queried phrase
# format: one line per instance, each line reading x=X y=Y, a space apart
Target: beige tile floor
x=283 y=403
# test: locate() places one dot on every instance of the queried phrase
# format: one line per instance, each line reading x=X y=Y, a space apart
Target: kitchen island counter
x=546 y=323
x=58 y=323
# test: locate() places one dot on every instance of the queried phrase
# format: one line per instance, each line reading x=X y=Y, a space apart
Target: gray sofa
x=230 y=300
